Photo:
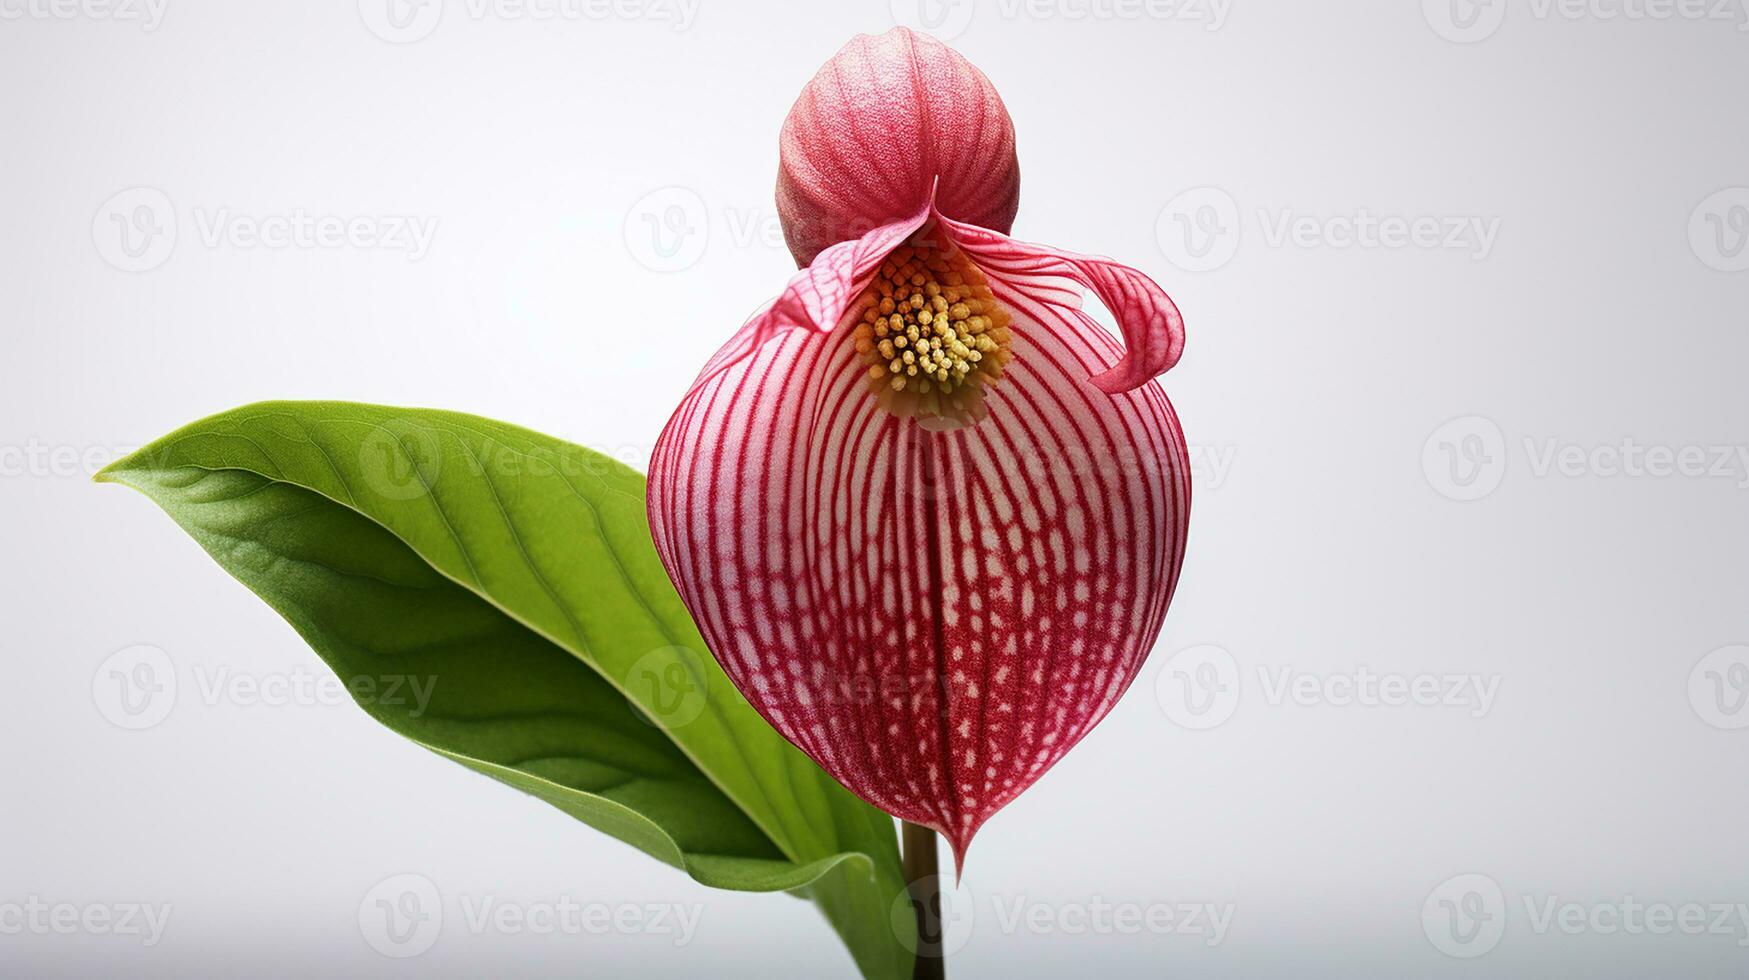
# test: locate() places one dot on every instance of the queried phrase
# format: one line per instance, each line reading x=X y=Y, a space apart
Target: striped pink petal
x=935 y=616
x=880 y=123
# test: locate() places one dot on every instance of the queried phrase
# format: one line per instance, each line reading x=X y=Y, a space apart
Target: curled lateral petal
x=818 y=294
x=1152 y=327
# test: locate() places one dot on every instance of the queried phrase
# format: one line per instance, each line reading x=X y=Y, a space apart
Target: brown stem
x=922 y=877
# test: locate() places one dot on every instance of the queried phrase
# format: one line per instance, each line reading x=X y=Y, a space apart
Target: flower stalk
x=923 y=879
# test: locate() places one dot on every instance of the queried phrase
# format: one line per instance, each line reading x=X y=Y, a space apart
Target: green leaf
x=494 y=595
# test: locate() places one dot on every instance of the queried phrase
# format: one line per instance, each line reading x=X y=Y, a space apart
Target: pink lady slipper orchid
x=927 y=513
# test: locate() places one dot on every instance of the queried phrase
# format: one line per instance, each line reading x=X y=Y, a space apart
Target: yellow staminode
x=931 y=332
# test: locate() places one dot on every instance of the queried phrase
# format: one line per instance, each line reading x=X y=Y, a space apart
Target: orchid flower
x=927 y=512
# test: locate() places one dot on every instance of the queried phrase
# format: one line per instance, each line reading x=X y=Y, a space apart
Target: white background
x=1342 y=520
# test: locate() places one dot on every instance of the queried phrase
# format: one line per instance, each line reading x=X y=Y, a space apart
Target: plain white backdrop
x=1454 y=681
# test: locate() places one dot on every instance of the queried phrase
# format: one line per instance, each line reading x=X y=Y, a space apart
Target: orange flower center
x=931 y=332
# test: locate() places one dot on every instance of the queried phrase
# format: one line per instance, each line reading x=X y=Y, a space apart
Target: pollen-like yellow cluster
x=932 y=333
